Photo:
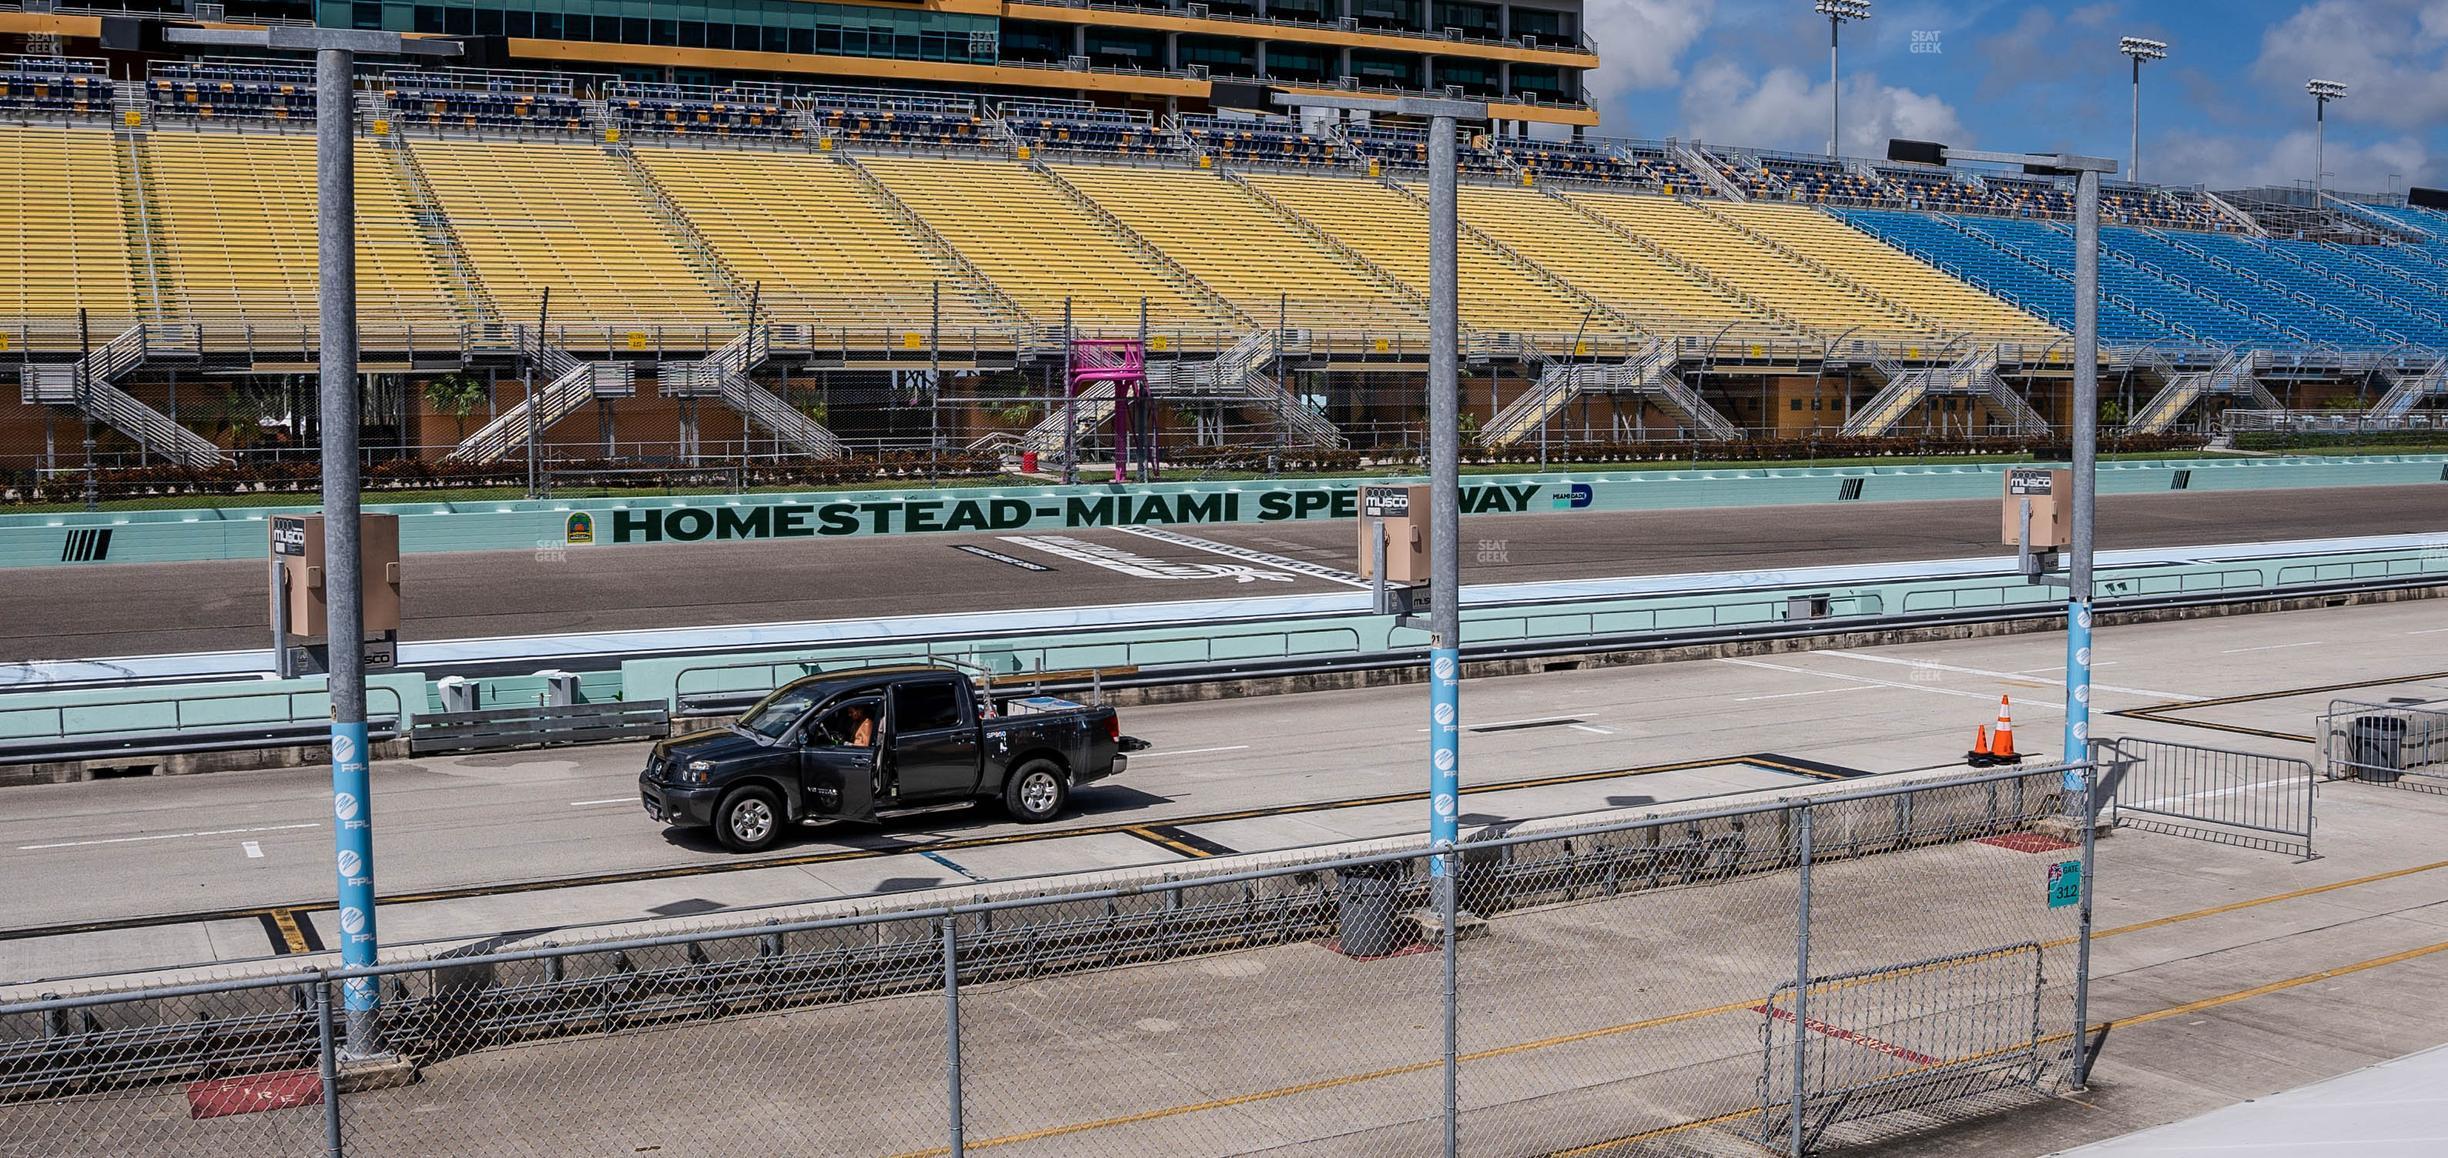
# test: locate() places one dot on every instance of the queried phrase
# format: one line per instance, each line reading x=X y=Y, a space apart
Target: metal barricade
x=2404 y=745
x=2243 y=798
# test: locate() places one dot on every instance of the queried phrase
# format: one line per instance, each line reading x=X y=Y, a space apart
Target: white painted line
x=1234 y=551
x=254 y=849
x=164 y=836
x=1188 y=751
x=1829 y=675
x=1587 y=728
x=2428 y=631
x=1922 y=663
x=1812 y=692
x=2271 y=647
x=614 y=800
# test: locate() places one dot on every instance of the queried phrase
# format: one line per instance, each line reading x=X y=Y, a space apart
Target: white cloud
x=2232 y=162
x=2392 y=53
x=1641 y=44
x=1783 y=109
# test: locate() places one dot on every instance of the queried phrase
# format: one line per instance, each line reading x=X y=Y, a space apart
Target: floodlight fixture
x=2323 y=91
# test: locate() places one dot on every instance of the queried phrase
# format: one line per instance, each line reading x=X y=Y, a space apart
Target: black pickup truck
x=852 y=745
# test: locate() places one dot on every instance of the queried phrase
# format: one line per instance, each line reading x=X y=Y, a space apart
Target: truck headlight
x=695 y=772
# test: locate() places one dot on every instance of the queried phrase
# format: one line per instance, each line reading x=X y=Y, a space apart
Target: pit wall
x=226 y=533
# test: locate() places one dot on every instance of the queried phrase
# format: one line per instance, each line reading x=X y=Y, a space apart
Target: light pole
x=2140 y=50
x=2085 y=434
x=2323 y=91
x=1444 y=119
x=336 y=51
x=1837 y=12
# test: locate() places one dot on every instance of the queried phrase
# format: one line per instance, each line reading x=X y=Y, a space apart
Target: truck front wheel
x=1036 y=792
x=749 y=820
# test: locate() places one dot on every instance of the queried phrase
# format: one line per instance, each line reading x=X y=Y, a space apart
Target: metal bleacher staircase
x=724 y=376
x=2232 y=376
x=1238 y=375
x=569 y=384
x=2407 y=391
x=90 y=387
x=1649 y=375
x=1973 y=376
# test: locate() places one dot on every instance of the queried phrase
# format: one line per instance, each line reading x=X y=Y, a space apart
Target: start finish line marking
x=1247 y=554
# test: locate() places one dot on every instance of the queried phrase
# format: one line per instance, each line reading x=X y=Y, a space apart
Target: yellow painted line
x=2278 y=986
x=1151 y=836
x=1751 y=1005
x=1660 y=1132
x=295 y=938
x=2257 y=902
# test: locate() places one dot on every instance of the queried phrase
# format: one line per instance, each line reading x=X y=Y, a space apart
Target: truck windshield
x=774 y=715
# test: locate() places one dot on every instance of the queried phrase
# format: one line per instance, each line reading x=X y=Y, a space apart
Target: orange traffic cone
x=2001 y=745
x=1979 y=756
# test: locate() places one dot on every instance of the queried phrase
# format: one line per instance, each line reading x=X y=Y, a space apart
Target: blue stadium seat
x=2032 y=280
x=2268 y=300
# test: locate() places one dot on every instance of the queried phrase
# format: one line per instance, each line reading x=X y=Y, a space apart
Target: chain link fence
x=1802 y=974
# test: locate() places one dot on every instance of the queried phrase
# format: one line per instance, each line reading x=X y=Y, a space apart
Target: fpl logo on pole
x=1444 y=715
x=350 y=863
x=344 y=805
x=352 y=921
x=344 y=750
x=1444 y=667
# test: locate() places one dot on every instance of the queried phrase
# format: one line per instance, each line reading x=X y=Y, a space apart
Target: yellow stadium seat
x=1241 y=249
x=823 y=248
x=1040 y=248
x=235 y=228
x=1390 y=231
x=533 y=214
x=65 y=230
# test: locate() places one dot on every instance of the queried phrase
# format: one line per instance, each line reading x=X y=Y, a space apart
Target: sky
x=2227 y=108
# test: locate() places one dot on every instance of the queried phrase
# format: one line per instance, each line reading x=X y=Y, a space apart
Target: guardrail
x=179 y=724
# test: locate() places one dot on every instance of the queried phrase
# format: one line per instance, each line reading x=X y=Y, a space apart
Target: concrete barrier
x=208 y=533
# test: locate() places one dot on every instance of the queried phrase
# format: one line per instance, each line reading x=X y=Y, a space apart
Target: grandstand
x=1388 y=229
x=829 y=255
x=1804 y=297
x=896 y=229
x=234 y=224
x=65 y=223
x=1067 y=261
x=532 y=215
x=1226 y=237
x=1631 y=281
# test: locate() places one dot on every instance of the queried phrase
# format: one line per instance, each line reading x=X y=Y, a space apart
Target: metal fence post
x=327 y=1059
x=2082 y=939
x=952 y=1048
x=1802 y=978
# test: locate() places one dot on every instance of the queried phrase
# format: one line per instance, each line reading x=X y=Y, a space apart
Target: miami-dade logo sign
x=580 y=530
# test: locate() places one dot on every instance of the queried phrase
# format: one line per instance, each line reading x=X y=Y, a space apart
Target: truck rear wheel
x=749 y=820
x=1036 y=792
